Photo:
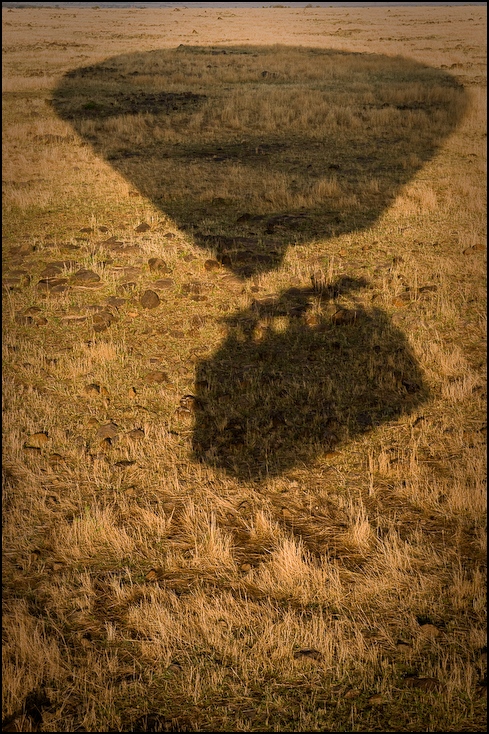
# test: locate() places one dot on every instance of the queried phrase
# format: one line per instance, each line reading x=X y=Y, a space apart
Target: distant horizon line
x=224 y=5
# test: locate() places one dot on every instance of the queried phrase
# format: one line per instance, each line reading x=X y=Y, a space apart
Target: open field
x=244 y=369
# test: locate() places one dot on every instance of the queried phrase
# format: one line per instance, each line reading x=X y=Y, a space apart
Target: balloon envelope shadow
x=252 y=150
x=292 y=381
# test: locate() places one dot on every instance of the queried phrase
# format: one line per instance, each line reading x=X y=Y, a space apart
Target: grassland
x=244 y=386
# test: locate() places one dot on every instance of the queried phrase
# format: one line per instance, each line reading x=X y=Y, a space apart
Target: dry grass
x=300 y=545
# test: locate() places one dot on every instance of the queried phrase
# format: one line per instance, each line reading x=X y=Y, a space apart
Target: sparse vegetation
x=244 y=383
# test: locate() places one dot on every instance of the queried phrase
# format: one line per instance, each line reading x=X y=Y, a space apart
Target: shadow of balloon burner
x=297 y=376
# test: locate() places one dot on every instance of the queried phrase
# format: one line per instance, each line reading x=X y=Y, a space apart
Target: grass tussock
x=244 y=387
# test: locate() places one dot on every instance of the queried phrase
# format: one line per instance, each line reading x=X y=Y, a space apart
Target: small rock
x=344 y=316
x=109 y=430
x=149 y=299
x=115 y=301
x=136 y=435
x=84 y=277
x=143 y=227
x=164 y=284
x=157 y=377
x=423 y=683
x=126 y=287
x=245 y=567
x=131 y=393
x=190 y=402
x=212 y=265
x=92 y=389
x=352 y=693
x=429 y=630
x=157 y=265
x=151 y=576
x=53 y=285
x=50 y=271
x=377 y=699
x=24 y=320
x=102 y=320
x=124 y=462
x=37 y=440
x=54 y=459
x=308 y=652
x=404 y=647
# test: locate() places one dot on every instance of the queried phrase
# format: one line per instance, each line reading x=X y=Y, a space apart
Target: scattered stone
x=50 y=271
x=112 y=241
x=352 y=693
x=163 y=284
x=149 y=299
x=109 y=430
x=23 y=320
x=40 y=320
x=32 y=450
x=157 y=265
x=54 y=459
x=245 y=567
x=115 y=301
x=156 y=377
x=169 y=236
x=190 y=402
x=143 y=227
x=308 y=652
x=199 y=320
x=37 y=440
x=344 y=316
x=92 y=422
x=124 y=463
x=212 y=265
x=103 y=229
x=85 y=277
x=429 y=631
x=479 y=247
x=152 y=576
x=32 y=311
x=127 y=287
x=188 y=258
x=136 y=434
x=377 y=699
x=53 y=285
x=399 y=302
x=102 y=321
x=131 y=393
x=423 y=683
x=87 y=230
x=92 y=389
x=404 y=647
x=176 y=334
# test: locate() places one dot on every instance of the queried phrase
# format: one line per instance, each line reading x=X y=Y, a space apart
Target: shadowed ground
x=254 y=149
x=270 y=399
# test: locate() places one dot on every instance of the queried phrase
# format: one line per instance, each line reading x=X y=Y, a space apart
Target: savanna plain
x=244 y=387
